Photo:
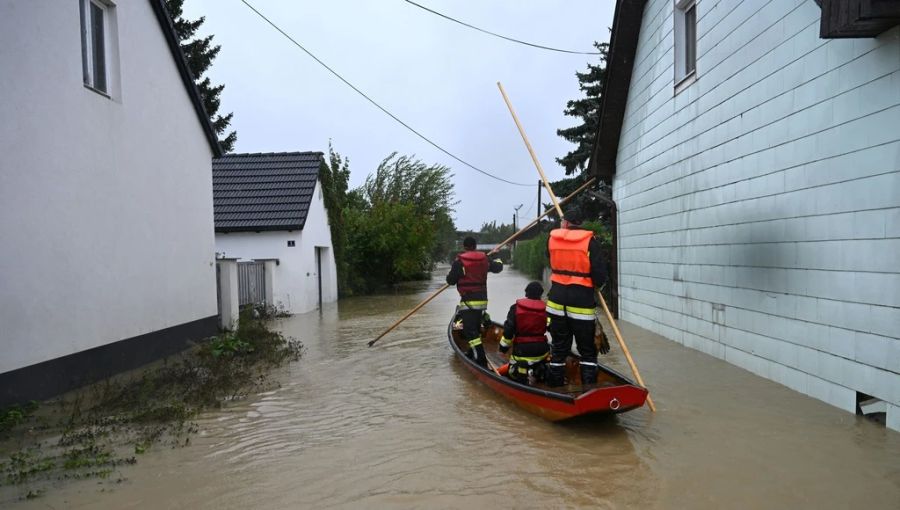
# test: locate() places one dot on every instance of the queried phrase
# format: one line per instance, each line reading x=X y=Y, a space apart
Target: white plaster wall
x=295 y=282
x=759 y=209
x=105 y=204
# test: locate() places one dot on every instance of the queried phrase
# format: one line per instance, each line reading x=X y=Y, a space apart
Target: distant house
x=270 y=207
x=755 y=163
x=106 y=218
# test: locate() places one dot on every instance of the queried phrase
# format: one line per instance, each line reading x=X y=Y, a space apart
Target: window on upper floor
x=685 y=41
x=94 y=35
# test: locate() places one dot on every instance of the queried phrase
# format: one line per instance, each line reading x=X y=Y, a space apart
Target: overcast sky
x=437 y=76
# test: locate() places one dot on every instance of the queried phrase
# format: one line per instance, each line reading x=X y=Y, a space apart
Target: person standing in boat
x=469 y=273
x=576 y=266
x=525 y=331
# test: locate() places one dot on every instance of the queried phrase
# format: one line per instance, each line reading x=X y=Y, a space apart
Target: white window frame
x=88 y=56
x=685 y=44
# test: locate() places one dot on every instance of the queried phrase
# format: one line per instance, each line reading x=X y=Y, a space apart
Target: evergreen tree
x=200 y=53
x=588 y=110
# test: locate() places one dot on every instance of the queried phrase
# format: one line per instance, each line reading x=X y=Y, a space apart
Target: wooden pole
x=534 y=158
x=495 y=250
x=637 y=375
x=609 y=316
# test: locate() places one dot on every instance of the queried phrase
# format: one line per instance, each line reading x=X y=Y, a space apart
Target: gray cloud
x=435 y=75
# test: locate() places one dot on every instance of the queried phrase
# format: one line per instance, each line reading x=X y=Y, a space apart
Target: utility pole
x=515 y=226
x=540 y=185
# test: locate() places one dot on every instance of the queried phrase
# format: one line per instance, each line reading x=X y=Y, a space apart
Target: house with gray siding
x=754 y=153
x=106 y=212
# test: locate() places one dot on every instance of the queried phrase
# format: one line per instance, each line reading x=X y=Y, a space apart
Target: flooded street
x=403 y=424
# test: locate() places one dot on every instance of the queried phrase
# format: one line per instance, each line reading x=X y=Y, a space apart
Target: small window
x=94 y=19
x=290 y=244
x=685 y=40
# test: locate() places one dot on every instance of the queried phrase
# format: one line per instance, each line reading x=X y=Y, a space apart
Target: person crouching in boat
x=469 y=273
x=525 y=331
x=576 y=267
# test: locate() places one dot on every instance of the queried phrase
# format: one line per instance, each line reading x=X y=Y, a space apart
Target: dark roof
x=165 y=23
x=623 y=43
x=256 y=192
x=857 y=18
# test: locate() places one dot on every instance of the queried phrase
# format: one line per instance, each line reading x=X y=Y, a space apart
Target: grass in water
x=107 y=425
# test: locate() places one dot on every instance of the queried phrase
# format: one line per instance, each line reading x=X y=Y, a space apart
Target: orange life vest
x=569 y=261
x=531 y=320
x=475 y=269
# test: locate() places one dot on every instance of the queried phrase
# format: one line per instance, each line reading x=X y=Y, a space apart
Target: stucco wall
x=295 y=280
x=759 y=208
x=105 y=203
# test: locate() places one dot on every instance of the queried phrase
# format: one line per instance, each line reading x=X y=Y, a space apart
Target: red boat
x=613 y=392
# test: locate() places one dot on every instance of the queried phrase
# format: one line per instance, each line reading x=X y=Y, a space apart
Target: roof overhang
x=857 y=18
x=623 y=41
x=168 y=29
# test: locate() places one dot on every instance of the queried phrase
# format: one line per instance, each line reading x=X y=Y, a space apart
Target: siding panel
x=759 y=209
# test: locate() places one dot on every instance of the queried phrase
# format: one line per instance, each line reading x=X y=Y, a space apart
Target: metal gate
x=251 y=283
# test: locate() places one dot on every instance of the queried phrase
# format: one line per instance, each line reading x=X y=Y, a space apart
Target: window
x=685 y=41
x=290 y=244
x=94 y=22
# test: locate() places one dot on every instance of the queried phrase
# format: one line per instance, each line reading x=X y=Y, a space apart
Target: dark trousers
x=471 y=320
x=563 y=329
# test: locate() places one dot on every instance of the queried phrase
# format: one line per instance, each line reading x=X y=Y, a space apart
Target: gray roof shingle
x=264 y=191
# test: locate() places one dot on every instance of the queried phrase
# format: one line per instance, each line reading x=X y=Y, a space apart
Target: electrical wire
x=383 y=109
x=526 y=43
x=525 y=214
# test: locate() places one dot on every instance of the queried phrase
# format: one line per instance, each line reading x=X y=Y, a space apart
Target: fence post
x=228 y=293
x=270 y=274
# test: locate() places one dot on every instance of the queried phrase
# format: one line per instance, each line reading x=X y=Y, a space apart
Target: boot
x=478 y=355
x=588 y=373
x=556 y=374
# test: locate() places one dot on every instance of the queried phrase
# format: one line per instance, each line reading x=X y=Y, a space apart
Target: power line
x=383 y=109
x=526 y=43
x=525 y=214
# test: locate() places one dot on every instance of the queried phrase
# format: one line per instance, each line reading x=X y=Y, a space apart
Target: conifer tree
x=200 y=53
x=588 y=110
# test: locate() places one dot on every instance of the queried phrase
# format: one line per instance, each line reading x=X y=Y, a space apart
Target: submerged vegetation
x=107 y=425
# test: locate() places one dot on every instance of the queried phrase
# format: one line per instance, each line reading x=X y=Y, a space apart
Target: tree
x=587 y=109
x=398 y=223
x=334 y=177
x=492 y=233
x=199 y=54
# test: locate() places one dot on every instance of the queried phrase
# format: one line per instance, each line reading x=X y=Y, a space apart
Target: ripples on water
x=403 y=424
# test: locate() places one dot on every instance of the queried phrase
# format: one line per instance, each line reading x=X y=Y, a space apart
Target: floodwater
x=404 y=425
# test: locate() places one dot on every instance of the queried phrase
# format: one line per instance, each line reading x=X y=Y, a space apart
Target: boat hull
x=614 y=392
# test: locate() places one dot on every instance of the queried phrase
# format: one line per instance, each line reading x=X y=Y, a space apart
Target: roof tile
x=264 y=191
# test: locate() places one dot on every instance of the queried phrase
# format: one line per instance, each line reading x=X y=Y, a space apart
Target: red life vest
x=475 y=269
x=531 y=320
x=569 y=261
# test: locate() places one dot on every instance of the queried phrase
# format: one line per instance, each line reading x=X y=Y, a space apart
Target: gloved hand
x=504 y=348
x=600 y=339
x=604 y=343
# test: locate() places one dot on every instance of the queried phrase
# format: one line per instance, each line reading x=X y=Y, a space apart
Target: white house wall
x=295 y=281
x=105 y=203
x=759 y=209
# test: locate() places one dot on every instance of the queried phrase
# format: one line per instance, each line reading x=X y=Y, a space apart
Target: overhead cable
x=383 y=109
x=511 y=39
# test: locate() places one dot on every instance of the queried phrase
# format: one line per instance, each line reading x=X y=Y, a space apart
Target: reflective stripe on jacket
x=569 y=260
x=475 y=269
x=531 y=320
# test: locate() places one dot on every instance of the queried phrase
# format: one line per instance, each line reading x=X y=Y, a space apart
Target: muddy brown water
x=404 y=425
